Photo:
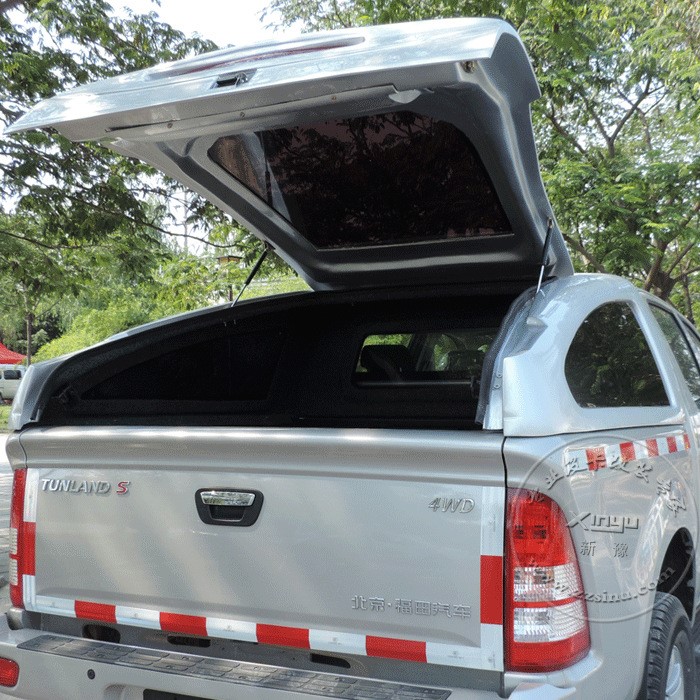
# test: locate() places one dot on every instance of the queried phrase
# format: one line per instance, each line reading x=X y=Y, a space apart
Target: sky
x=223 y=21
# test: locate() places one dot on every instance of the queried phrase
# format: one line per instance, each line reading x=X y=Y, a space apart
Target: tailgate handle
x=226 y=506
x=227 y=498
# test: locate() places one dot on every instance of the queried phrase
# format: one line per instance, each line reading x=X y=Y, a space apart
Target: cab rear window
x=429 y=357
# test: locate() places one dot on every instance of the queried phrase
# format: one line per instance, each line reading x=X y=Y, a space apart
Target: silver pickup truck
x=453 y=470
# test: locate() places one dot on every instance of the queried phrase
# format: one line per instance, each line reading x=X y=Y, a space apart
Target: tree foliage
x=32 y=279
x=176 y=282
x=77 y=192
x=74 y=212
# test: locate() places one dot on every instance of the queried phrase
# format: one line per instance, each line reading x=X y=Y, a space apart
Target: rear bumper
x=54 y=667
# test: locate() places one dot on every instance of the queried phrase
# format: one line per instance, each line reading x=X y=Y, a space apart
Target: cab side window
x=609 y=363
x=681 y=350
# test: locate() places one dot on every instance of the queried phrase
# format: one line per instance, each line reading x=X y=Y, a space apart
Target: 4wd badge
x=452 y=505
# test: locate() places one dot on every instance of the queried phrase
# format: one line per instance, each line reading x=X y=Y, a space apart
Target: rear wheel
x=670 y=668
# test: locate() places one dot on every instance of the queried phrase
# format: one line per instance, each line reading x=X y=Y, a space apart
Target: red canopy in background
x=9 y=357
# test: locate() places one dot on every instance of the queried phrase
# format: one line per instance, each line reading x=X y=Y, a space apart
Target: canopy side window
x=609 y=363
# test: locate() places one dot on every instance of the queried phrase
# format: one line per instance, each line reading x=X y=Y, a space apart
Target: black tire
x=670 y=658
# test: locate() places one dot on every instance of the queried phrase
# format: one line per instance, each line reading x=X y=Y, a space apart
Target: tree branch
x=336 y=12
x=647 y=131
x=205 y=241
x=655 y=269
x=563 y=132
x=43 y=244
x=580 y=248
x=10 y=113
x=678 y=259
x=599 y=123
x=633 y=108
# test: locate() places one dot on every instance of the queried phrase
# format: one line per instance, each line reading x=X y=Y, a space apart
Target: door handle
x=228 y=506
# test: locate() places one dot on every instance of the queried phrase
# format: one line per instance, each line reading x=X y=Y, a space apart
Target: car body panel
x=529 y=363
x=327 y=501
x=70 y=678
x=621 y=525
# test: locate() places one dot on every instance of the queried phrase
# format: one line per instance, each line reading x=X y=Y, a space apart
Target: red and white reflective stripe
x=28 y=544
x=491 y=576
x=489 y=655
x=604 y=456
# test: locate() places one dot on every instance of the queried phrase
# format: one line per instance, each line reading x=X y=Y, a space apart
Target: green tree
x=79 y=192
x=176 y=283
x=33 y=279
x=617 y=126
x=41 y=275
x=129 y=308
x=72 y=214
x=620 y=146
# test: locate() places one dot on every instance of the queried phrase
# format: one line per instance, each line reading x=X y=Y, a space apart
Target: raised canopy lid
x=399 y=154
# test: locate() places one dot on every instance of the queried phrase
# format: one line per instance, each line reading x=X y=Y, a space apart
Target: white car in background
x=10 y=377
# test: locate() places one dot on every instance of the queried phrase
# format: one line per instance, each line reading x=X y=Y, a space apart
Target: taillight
x=21 y=539
x=547 y=625
x=9 y=672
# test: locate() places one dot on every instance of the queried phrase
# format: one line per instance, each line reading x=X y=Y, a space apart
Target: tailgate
x=383 y=543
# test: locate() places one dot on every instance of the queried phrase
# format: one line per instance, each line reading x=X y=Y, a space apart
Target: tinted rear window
x=391 y=178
